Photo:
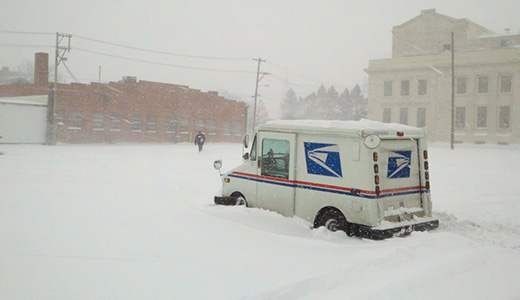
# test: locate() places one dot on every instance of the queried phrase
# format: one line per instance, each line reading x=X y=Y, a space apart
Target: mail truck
x=366 y=178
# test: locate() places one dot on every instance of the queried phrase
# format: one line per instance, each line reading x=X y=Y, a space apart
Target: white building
x=414 y=86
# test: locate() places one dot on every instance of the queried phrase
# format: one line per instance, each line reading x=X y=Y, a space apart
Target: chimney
x=41 y=68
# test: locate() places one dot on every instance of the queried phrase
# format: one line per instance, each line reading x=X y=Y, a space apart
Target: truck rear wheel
x=333 y=220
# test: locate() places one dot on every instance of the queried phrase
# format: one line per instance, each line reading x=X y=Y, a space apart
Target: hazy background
x=305 y=43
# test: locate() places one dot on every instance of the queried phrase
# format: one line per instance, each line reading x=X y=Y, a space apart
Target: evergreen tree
x=359 y=103
x=290 y=106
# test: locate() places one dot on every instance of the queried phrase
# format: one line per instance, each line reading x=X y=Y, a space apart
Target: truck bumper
x=225 y=200
x=398 y=231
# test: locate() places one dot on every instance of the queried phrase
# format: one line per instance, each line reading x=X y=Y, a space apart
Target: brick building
x=132 y=111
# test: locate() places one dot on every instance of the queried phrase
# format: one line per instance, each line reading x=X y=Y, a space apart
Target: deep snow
x=138 y=222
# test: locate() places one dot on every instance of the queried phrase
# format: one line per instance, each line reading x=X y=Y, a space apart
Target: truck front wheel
x=239 y=199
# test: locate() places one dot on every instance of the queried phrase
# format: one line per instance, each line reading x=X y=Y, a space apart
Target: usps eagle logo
x=323 y=159
x=399 y=164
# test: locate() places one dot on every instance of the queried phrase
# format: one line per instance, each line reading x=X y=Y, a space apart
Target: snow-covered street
x=138 y=222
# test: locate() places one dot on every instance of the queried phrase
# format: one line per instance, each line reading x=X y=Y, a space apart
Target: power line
x=26 y=32
x=163 y=64
x=161 y=52
x=26 y=46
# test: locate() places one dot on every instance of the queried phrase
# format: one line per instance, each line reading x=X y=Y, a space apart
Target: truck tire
x=333 y=220
x=239 y=200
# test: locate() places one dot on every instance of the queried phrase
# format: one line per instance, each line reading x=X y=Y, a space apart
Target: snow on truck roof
x=363 y=127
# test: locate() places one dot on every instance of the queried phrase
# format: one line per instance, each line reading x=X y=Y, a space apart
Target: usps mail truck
x=367 y=178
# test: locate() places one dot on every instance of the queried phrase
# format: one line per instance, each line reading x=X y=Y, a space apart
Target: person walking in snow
x=200 y=138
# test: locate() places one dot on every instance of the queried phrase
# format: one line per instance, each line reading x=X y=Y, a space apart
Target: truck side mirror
x=245 y=157
x=246 y=141
x=217 y=164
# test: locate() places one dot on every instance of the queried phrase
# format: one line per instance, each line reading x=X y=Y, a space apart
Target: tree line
x=325 y=104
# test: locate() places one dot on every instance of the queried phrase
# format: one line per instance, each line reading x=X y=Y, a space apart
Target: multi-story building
x=131 y=110
x=414 y=87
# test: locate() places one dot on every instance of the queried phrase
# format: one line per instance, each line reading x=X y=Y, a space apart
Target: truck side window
x=253 y=150
x=275 y=158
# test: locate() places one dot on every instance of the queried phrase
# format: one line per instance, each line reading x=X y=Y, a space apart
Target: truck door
x=400 y=174
x=276 y=162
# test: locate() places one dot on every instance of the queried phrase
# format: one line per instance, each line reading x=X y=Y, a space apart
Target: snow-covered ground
x=138 y=222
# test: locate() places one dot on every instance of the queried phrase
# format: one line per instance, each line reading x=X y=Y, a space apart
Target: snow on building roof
x=363 y=127
x=26 y=100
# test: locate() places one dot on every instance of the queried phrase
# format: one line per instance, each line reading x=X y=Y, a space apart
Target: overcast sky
x=305 y=43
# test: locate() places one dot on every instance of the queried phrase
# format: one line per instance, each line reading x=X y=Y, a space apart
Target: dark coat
x=200 y=138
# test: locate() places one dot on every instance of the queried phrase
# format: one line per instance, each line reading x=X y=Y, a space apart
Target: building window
x=421 y=117
x=504 y=118
x=226 y=128
x=151 y=123
x=461 y=85
x=422 y=87
x=482 y=84
x=237 y=129
x=184 y=126
x=405 y=87
x=135 y=123
x=481 y=117
x=98 y=121
x=460 y=117
x=75 y=120
x=60 y=117
x=403 y=116
x=171 y=125
x=388 y=89
x=387 y=115
x=505 y=83
x=115 y=122
x=211 y=127
x=201 y=125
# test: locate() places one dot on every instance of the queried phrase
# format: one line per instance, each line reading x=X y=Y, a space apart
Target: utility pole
x=258 y=78
x=452 y=133
x=53 y=96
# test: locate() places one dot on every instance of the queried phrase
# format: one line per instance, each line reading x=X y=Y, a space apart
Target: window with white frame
x=481 y=117
x=115 y=122
x=171 y=125
x=211 y=127
x=151 y=124
x=136 y=123
x=505 y=84
x=462 y=83
x=504 y=118
x=482 y=84
x=60 y=119
x=184 y=125
x=226 y=127
x=98 y=121
x=460 y=117
x=201 y=125
x=75 y=120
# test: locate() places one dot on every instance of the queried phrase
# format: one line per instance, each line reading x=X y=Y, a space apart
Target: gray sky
x=305 y=43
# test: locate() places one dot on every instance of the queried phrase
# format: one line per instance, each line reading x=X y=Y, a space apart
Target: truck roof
x=359 y=128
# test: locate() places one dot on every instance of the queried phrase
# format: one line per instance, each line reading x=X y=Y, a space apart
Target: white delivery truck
x=367 y=178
